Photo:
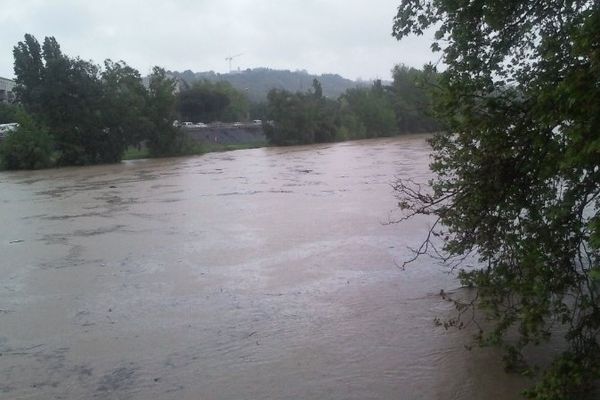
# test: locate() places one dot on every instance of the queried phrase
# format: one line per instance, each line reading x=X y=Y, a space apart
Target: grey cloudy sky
x=349 y=37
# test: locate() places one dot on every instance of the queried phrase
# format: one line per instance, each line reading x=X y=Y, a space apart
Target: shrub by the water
x=29 y=147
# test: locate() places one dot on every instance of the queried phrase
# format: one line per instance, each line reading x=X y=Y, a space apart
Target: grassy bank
x=133 y=153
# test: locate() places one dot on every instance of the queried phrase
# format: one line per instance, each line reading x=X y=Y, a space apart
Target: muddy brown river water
x=254 y=274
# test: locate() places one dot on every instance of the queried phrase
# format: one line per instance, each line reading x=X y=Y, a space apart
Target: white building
x=6 y=90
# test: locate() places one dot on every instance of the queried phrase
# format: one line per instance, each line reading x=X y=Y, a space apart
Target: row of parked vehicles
x=217 y=124
x=5 y=129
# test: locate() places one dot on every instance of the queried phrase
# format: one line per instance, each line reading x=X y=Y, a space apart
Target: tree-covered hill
x=259 y=81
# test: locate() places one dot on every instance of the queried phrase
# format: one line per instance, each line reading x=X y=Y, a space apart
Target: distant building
x=6 y=90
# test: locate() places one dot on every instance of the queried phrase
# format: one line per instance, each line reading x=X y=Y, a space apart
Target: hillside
x=257 y=82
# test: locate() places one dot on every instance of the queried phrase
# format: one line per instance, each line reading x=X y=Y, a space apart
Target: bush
x=8 y=113
x=165 y=141
x=28 y=147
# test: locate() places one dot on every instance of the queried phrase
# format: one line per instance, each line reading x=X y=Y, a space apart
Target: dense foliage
x=66 y=95
x=300 y=118
x=93 y=114
x=207 y=101
x=365 y=112
x=410 y=94
x=125 y=113
x=30 y=146
x=8 y=113
x=162 y=137
x=518 y=171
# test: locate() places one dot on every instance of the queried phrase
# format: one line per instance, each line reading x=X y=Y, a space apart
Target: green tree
x=162 y=137
x=28 y=69
x=8 y=113
x=30 y=146
x=317 y=89
x=202 y=103
x=301 y=118
x=325 y=114
x=412 y=99
x=94 y=113
x=66 y=96
x=258 y=111
x=124 y=107
x=238 y=107
x=518 y=174
x=207 y=101
x=373 y=111
x=291 y=121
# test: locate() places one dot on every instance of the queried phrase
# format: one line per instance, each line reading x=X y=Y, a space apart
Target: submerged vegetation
x=518 y=173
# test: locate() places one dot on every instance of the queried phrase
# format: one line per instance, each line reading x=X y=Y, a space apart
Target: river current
x=254 y=274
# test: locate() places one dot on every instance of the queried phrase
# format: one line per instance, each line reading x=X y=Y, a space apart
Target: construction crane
x=230 y=58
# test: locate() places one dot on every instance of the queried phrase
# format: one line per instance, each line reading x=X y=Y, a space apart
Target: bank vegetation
x=71 y=111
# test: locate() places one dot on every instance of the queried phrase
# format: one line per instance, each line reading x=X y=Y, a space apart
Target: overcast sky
x=348 y=37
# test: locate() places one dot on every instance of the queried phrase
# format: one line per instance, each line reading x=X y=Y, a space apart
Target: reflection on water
x=254 y=274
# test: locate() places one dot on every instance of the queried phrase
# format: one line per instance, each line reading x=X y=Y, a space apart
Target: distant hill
x=257 y=82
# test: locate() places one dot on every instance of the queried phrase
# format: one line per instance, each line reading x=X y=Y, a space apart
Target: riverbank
x=194 y=148
x=197 y=146
x=134 y=153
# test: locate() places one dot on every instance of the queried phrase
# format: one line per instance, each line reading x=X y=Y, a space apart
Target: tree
x=238 y=107
x=317 y=89
x=301 y=118
x=8 y=113
x=518 y=174
x=373 y=111
x=412 y=102
x=28 y=69
x=162 y=137
x=292 y=121
x=124 y=104
x=65 y=95
x=201 y=103
x=258 y=111
x=207 y=101
x=93 y=114
x=30 y=146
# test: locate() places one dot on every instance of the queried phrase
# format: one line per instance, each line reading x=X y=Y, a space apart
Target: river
x=253 y=274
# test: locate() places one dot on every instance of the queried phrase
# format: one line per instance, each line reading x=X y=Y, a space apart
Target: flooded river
x=254 y=274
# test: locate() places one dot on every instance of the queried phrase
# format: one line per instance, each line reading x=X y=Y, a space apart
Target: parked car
x=5 y=129
x=9 y=127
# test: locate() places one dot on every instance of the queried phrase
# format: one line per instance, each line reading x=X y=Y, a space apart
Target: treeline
x=309 y=117
x=73 y=112
x=257 y=82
